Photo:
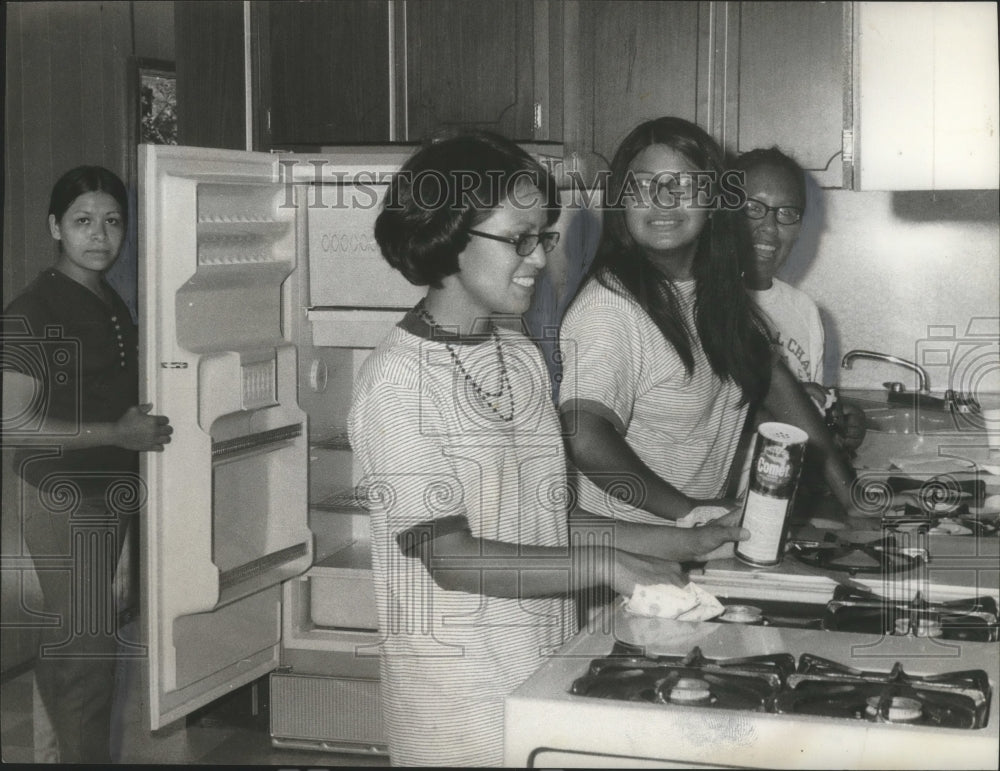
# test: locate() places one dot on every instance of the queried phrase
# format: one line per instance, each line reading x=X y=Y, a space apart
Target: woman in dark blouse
x=70 y=393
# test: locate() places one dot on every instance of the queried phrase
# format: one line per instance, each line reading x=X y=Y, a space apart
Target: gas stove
x=773 y=683
x=632 y=691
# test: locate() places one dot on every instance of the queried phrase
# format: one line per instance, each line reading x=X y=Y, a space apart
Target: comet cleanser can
x=774 y=476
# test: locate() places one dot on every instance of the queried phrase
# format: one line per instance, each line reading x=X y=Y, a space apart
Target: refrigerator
x=261 y=291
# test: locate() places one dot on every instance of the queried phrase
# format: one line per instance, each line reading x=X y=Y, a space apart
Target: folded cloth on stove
x=688 y=603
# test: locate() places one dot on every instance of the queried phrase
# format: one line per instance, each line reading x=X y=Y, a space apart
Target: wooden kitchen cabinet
x=751 y=74
x=210 y=74
x=470 y=65
x=374 y=71
x=927 y=103
x=789 y=87
x=323 y=72
x=623 y=63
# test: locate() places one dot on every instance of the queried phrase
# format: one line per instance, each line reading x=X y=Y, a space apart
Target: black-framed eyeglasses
x=784 y=215
x=525 y=243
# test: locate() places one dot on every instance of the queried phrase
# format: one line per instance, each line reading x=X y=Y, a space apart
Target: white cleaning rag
x=688 y=603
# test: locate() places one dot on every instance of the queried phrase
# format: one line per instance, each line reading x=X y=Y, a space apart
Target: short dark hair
x=86 y=179
x=772 y=156
x=452 y=183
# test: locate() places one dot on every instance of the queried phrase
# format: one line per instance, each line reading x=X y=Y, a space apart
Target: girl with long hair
x=664 y=352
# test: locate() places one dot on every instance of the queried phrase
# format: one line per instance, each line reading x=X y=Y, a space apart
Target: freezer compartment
x=346 y=267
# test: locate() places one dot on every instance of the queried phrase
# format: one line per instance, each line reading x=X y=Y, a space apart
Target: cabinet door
x=927 y=97
x=324 y=72
x=625 y=62
x=210 y=74
x=470 y=65
x=791 y=83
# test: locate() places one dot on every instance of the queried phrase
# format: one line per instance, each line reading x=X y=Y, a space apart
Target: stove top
x=772 y=683
x=850 y=700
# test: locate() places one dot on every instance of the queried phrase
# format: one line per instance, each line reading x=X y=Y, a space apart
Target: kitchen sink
x=908 y=416
x=912 y=429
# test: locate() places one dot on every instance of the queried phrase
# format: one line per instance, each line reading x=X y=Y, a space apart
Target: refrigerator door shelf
x=226 y=513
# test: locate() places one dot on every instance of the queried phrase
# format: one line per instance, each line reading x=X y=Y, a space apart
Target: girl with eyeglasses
x=776 y=199
x=664 y=353
x=775 y=186
x=474 y=555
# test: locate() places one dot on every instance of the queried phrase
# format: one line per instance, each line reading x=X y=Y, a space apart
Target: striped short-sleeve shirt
x=618 y=364
x=432 y=451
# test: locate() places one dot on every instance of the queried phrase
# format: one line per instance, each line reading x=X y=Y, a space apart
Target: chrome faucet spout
x=922 y=379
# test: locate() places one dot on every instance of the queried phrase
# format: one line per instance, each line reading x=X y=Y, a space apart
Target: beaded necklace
x=488 y=398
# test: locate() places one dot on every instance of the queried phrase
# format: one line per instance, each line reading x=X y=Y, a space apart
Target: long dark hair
x=730 y=329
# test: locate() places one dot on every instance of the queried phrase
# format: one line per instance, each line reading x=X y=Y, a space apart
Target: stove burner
x=921 y=626
x=958 y=521
x=742 y=614
x=974 y=619
x=749 y=683
x=897 y=709
x=822 y=687
x=690 y=690
x=881 y=703
x=882 y=556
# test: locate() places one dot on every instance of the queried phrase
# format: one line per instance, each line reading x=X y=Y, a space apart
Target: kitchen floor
x=212 y=740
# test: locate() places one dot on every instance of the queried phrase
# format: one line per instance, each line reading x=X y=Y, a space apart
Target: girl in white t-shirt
x=663 y=351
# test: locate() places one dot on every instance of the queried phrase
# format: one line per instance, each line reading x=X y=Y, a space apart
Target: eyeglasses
x=785 y=215
x=525 y=243
x=677 y=185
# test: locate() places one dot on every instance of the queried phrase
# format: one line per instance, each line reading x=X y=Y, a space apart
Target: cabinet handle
x=538 y=116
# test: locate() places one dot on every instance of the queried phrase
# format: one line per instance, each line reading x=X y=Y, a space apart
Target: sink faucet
x=850 y=356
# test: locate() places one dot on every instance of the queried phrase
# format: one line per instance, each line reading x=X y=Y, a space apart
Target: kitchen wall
x=886 y=268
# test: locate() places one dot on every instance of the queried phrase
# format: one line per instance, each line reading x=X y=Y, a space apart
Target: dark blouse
x=84 y=353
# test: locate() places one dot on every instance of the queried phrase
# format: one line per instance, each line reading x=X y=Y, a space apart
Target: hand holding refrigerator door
x=70 y=382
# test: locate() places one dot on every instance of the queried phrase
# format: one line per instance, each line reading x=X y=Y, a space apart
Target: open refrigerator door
x=226 y=514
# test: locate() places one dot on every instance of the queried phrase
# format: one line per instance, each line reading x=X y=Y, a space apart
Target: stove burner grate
x=749 y=683
x=823 y=687
x=974 y=619
x=882 y=703
x=881 y=557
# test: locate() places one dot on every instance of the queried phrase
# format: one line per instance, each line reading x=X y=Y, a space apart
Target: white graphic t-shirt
x=796 y=329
